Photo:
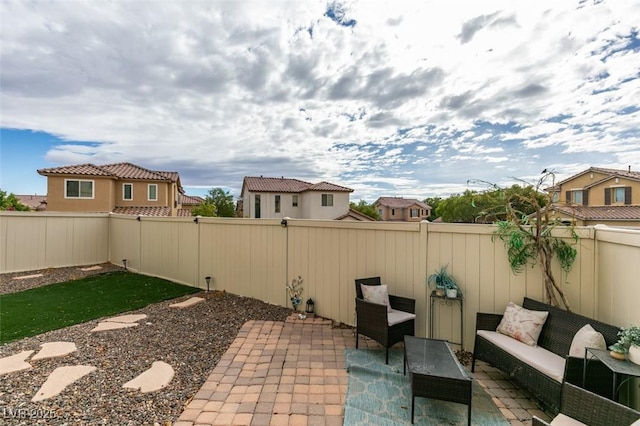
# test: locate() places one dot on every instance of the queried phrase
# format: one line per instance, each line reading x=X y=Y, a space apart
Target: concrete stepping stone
x=54 y=349
x=107 y=325
x=26 y=277
x=91 y=268
x=16 y=362
x=127 y=318
x=189 y=302
x=155 y=378
x=59 y=379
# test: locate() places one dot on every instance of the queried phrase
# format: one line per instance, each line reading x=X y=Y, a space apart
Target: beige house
x=268 y=198
x=402 y=209
x=118 y=188
x=599 y=196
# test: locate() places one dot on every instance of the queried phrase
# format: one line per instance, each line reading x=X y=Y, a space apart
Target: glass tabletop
x=433 y=357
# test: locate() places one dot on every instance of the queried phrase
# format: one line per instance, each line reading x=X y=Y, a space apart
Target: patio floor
x=293 y=373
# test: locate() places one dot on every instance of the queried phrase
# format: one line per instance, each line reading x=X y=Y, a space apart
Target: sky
x=399 y=98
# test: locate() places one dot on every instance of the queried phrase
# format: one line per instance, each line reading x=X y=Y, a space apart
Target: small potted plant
x=442 y=281
x=629 y=342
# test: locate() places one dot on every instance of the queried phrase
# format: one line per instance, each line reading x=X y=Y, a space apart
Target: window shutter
x=607 y=196
x=568 y=197
x=627 y=195
x=585 y=197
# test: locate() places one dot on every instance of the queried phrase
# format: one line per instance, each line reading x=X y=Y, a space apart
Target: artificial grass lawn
x=55 y=306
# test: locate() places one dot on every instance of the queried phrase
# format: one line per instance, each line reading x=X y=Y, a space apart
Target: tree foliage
x=223 y=202
x=204 y=209
x=11 y=202
x=526 y=228
x=433 y=202
x=365 y=208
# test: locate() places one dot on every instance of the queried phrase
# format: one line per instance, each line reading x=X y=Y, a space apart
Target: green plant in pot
x=628 y=342
x=442 y=281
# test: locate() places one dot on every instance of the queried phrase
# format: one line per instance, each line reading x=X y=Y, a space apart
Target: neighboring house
x=355 y=215
x=599 y=196
x=118 y=188
x=266 y=197
x=34 y=202
x=402 y=209
x=189 y=202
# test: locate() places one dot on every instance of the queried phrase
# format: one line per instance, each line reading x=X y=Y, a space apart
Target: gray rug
x=380 y=395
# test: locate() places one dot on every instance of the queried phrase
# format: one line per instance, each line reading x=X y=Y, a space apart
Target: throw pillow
x=522 y=324
x=376 y=294
x=586 y=337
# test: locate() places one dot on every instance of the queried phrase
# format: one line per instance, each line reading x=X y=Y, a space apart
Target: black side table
x=444 y=300
x=618 y=367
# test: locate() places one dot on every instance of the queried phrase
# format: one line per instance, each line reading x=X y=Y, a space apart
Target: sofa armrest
x=405 y=304
x=485 y=321
x=537 y=421
x=593 y=409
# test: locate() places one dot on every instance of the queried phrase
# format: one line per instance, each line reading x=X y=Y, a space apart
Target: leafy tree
x=526 y=228
x=11 y=202
x=204 y=209
x=223 y=202
x=433 y=202
x=459 y=208
x=365 y=208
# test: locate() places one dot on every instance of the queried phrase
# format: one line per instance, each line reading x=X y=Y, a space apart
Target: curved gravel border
x=191 y=340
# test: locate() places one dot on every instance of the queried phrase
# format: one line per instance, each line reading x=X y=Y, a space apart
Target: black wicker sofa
x=556 y=336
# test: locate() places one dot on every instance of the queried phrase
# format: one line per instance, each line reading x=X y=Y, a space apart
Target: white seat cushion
x=564 y=420
x=539 y=358
x=396 y=317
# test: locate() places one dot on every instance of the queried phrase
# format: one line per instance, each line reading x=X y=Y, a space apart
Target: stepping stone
x=155 y=378
x=16 y=362
x=107 y=325
x=91 y=268
x=189 y=302
x=59 y=379
x=54 y=349
x=26 y=277
x=127 y=318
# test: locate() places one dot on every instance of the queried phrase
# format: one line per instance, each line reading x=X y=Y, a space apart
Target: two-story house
x=268 y=197
x=402 y=209
x=598 y=196
x=117 y=188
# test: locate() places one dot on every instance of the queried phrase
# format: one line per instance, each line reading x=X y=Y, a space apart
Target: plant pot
x=452 y=293
x=634 y=354
x=617 y=355
x=440 y=291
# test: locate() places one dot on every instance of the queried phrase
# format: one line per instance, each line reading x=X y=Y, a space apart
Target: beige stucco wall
x=596 y=193
x=141 y=194
x=103 y=190
x=312 y=205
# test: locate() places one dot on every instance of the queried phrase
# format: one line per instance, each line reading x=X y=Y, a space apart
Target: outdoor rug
x=379 y=394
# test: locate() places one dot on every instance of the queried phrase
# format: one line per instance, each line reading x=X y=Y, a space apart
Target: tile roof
x=78 y=169
x=269 y=184
x=183 y=213
x=143 y=211
x=191 y=200
x=600 y=212
x=355 y=215
x=34 y=202
x=610 y=172
x=401 y=203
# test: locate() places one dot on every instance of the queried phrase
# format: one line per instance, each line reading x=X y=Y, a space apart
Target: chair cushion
x=536 y=356
x=376 y=294
x=396 y=317
x=564 y=420
x=522 y=324
x=586 y=337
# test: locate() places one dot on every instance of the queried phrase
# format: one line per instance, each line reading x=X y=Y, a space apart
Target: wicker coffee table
x=435 y=372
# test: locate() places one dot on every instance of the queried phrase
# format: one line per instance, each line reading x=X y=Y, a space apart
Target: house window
x=380 y=212
x=294 y=201
x=257 y=206
x=414 y=212
x=618 y=195
x=78 y=189
x=555 y=197
x=277 y=203
x=393 y=212
x=127 y=191
x=576 y=197
x=327 y=200
x=153 y=192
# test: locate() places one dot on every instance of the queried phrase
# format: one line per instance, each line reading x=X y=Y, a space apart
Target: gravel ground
x=191 y=340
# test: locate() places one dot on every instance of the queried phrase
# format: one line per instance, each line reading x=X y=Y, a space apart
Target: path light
x=310 y=306
x=208 y=280
x=124 y=262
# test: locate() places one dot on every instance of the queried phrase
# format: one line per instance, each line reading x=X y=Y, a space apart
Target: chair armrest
x=537 y=421
x=593 y=409
x=405 y=304
x=371 y=315
x=486 y=321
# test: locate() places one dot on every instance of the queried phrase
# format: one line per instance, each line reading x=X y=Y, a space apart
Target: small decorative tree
x=529 y=238
x=295 y=289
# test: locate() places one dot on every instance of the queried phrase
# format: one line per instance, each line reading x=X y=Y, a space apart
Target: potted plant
x=442 y=281
x=629 y=342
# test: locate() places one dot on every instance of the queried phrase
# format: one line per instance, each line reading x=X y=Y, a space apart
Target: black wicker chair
x=591 y=409
x=372 y=319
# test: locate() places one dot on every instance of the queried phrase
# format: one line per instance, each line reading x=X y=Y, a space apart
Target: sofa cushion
x=376 y=294
x=586 y=337
x=522 y=324
x=564 y=420
x=537 y=357
x=396 y=317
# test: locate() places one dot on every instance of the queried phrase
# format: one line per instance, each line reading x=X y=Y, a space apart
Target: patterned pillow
x=586 y=337
x=522 y=324
x=376 y=294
